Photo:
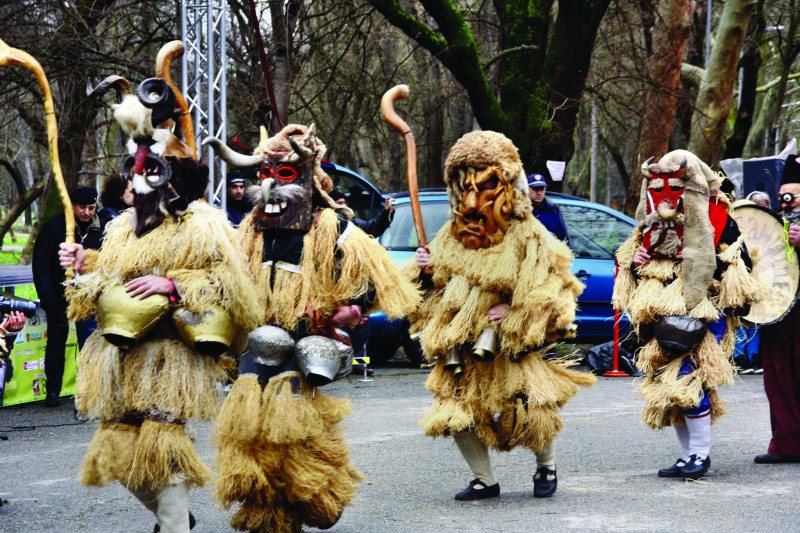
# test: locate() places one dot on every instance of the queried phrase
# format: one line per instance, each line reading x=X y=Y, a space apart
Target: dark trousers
x=54 y=353
x=780 y=356
x=57 y=331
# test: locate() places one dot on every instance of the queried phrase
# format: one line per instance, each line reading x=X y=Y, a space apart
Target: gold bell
x=125 y=320
x=486 y=345
x=454 y=363
x=210 y=332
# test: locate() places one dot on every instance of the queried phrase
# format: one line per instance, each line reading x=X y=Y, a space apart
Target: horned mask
x=487 y=188
x=673 y=217
x=166 y=176
x=292 y=183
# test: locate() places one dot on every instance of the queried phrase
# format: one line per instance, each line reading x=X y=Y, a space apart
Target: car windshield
x=593 y=233
x=402 y=235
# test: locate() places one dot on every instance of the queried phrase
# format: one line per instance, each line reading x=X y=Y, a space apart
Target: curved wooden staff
x=14 y=56
x=400 y=92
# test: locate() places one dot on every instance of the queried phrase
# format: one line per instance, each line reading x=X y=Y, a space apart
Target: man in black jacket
x=48 y=277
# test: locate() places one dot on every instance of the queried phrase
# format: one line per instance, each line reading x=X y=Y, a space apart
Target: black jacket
x=48 y=276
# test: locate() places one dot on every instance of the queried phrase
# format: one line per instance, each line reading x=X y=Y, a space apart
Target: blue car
x=595 y=232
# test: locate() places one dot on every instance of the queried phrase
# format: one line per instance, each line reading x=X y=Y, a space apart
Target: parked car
x=364 y=198
x=595 y=232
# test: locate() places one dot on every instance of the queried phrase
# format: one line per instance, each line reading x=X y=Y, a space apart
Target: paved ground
x=606 y=462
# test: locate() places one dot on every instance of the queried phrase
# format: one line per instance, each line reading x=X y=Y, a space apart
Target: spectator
x=116 y=197
x=780 y=346
x=236 y=203
x=9 y=327
x=48 y=277
x=375 y=226
x=546 y=212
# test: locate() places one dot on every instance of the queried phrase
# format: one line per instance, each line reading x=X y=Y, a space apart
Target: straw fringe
x=527 y=394
x=110 y=454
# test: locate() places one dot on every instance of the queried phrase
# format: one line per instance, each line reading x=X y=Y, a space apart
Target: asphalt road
x=607 y=461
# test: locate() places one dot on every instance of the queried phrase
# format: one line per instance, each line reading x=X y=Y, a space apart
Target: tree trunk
x=672 y=29
x=716 y=92
x=22 y=203
x=750 y=63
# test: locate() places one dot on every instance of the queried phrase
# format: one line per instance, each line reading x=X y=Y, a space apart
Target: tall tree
x=715 y=96
x=544 y=57
x=670 y=32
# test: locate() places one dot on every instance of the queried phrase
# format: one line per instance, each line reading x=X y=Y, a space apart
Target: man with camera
x=48 y=277
x=9 y=328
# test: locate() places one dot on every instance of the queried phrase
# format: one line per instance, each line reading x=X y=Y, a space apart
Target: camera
x=8 y=305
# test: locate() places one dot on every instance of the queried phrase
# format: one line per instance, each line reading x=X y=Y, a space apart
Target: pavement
x=606 y=459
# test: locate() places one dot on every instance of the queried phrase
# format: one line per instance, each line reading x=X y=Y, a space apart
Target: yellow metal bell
x=125 y=320
x=454 y=363
x=210 y=332
x=486 y=345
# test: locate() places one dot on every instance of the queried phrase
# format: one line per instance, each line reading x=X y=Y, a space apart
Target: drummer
x=780 y=344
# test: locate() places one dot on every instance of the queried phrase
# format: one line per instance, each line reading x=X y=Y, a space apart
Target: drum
x=777 y=267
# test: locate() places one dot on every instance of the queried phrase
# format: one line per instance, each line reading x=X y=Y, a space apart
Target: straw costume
x=683 y=296
x=492 y=386
x=281 y=453
x=154 y=363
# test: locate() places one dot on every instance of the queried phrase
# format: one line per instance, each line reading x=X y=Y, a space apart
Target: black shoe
x=696 y=468
x=192 y=522
x=52 y=400
x=774 y=458
x=478 y=490
x=674 y=470
x=543 y=486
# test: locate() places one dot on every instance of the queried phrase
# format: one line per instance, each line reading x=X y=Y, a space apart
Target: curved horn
x=302 y=151
x=156 y=94
x=120 y=84
x=231 y=157
x=170 y=51
x=644 y=168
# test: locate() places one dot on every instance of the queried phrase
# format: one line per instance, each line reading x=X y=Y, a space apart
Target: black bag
x=600 y=358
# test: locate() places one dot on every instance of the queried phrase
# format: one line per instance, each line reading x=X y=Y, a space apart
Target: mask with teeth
x=485 y=201
x=284 y=198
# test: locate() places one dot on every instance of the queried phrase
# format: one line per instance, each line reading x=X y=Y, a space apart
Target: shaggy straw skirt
x=163 y=378
x=282 y=457
x=507 y=404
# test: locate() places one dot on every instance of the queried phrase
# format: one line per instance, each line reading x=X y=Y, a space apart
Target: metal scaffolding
x=204 y=80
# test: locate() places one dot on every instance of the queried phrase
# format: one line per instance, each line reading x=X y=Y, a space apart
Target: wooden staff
x=14 y=56
x=400 y=92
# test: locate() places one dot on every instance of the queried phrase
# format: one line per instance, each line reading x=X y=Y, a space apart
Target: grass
x=21 y=239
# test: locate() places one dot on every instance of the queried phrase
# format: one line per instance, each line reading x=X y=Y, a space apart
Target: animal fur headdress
x=484 y=149
x=698 y=253
x=162 y=166
x=285 y=143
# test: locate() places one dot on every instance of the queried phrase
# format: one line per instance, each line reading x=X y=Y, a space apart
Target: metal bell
x=454 y=363
x=345 y=353
x=210 y=332
x=318 y=358
x=270 y=345
x=124 y=320
x=486 y=345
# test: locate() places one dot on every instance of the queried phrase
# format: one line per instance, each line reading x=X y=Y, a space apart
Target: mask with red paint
x=663 y=228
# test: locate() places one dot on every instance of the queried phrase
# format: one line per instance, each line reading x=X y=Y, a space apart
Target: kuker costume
x=683 y=303
x=281 y=453
x=492 y=386
x=154 y=364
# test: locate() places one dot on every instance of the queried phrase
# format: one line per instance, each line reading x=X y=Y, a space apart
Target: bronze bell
x=210 y=332
x=454 y=363
x=124 y=320
x=486 y=345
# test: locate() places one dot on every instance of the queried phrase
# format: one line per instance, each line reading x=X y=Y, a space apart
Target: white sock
x=477 y=456
x=547 y=456
x=683 y=438
x=699 y=435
